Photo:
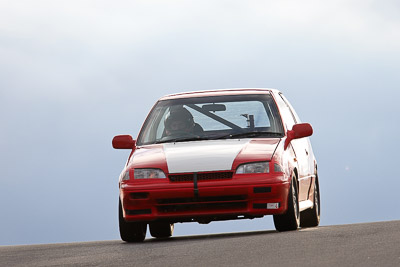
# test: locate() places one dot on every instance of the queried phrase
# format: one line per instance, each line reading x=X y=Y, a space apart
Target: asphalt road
x=368 y=244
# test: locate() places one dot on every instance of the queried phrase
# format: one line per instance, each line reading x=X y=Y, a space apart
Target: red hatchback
x=218 y=155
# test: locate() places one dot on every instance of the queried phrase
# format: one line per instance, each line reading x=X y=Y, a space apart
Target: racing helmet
x=179 y=115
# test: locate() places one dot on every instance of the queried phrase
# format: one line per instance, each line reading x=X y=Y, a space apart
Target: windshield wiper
x=249 y=134
x=227 y=136
x=181 y=139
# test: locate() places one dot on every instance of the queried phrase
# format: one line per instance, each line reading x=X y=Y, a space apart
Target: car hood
x=203 y=156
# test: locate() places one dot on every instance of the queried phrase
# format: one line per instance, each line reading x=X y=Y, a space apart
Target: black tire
x=291 y=219
x=161 y=229
x=131 y=231
x=310 y=217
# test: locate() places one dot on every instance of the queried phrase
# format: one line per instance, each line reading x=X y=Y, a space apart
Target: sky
x=73 y=74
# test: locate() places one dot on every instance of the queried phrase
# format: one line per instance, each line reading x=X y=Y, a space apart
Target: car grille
x=234 y=202
x=202 y=176
x=202 y=207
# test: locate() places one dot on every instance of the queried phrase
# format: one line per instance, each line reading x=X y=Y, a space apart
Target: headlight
x=254 y=167
x=148 y=173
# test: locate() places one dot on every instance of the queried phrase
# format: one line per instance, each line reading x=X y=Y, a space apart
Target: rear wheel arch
x=316 y=179
x=297 y=177
x=311 y=217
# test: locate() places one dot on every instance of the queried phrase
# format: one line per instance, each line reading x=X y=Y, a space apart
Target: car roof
x=217 y=92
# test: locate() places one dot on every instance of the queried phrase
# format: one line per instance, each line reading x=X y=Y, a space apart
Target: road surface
x=367 y=244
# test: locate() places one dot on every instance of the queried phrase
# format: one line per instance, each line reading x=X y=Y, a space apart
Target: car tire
x=131 y=231
x=161 y=229
x=311 y=217
x=291 y=219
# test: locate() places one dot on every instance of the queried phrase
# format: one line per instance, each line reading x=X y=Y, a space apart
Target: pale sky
x=76 y=73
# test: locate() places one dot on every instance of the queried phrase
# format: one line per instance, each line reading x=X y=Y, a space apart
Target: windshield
x=216 y=117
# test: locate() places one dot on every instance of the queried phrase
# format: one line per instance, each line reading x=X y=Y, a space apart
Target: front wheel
x=291 y=219
x=131 y=231
x=161 y=229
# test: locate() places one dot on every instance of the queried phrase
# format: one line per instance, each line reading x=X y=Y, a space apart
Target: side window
x=286 y=114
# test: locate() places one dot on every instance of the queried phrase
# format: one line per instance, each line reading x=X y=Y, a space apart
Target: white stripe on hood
x=202 y=156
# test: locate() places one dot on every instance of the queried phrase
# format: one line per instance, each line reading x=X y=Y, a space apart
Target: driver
x=178 y=121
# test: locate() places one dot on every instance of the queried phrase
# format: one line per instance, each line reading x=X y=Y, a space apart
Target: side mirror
x=123 y=142
x=302 y=130
x=298 y=131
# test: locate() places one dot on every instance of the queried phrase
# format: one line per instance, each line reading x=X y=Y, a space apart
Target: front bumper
x=243 y=196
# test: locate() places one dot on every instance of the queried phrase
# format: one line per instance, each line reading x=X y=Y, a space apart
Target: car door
x=300 y=146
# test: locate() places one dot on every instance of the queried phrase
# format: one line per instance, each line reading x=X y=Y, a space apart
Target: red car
x=218 y=155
